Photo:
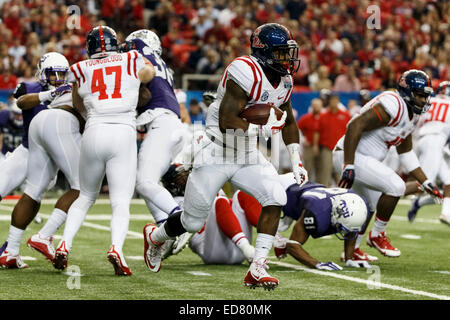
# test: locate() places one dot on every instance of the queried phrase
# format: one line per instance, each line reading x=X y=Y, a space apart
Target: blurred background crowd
x=341 y=47
x=338 y=49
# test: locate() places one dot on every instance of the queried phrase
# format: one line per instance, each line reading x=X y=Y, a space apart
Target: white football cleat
x=119 y=263
x=257 y=276
x=61 y=256
x=9 y=261
x=168 y=249
x=42 y=245
x=152 y=250
x=382 y=244
x=181 y=242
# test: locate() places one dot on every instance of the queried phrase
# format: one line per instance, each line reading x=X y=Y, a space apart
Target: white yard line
x=369 y=283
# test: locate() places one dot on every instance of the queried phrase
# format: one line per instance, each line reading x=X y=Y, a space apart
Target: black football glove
x=348 y=176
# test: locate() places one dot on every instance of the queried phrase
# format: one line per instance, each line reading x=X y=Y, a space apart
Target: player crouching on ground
x=385 y=121
x=320 y=211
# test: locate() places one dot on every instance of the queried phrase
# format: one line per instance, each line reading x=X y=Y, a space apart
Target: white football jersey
x=109 y=87
x=437 y=119
x=249 y=75
x=376 y=143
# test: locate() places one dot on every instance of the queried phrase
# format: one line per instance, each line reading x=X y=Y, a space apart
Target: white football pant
x=13 y=170
x=372 y=178
x=260 y=180
x=109 y=148
x=54 y=143
x=164 y=140
x=431 y=157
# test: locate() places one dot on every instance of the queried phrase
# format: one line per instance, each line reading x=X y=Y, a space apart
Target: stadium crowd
x=338 y=51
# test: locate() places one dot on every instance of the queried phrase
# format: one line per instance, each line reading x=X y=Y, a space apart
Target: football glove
x=429 y=187
x=300 y=173
x=273 y=124
x=357 y=264
x=348 y=176
x=279 y=246
x=328 y=266
x=60 y=90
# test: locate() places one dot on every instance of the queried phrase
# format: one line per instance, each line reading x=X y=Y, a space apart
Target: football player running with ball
x=107 y=86
x=386 y=120
x=264 y=77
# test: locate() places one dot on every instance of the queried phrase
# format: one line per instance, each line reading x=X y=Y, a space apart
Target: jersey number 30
x=98 y=83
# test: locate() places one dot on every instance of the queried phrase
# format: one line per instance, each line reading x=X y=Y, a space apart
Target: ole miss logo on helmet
x=256 y=42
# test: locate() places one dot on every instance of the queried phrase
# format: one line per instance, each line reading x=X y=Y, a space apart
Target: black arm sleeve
x=20 y=90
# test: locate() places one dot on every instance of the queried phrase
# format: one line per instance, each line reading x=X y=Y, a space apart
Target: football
x=259 y=113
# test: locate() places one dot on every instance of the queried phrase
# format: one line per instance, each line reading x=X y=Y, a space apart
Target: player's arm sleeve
x=20 y=90
x=245 y=76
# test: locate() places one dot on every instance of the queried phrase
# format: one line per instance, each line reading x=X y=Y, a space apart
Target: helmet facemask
x=285 y=58
x=418 y=98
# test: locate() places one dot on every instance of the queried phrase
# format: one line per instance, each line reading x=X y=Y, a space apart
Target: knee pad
x=191 y=223
x=396 y=187
x=276 y=196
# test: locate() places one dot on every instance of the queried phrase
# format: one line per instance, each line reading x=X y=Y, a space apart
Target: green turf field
x=421 y=272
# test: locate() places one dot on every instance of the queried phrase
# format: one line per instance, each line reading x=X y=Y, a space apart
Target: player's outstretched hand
x=300 y=174
x=357 y=264
x=328 y=266
x=429 y=187
x=348 y=176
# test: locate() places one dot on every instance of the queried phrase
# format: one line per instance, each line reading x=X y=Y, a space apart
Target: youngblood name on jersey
x=249 y=75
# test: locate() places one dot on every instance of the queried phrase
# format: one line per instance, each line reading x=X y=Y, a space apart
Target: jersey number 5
x=98 y=83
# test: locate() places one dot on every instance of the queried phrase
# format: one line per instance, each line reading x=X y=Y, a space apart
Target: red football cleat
x=119 y=264
x=257 y=276
x=9 y=261
x=382 y=244
x=43 y=246
x=152 y=250
x=61 y=256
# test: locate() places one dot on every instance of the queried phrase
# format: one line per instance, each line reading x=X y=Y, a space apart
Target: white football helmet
x=348 y=214
x=149 y=38
x=52 y=62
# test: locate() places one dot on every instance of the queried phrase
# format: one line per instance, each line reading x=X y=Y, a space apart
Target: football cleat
x=181 y=242
x=42 y=245
x=382 y=244
x=168 y=249
x=257 y=276
x=9 y=261
x=61 y=256
x=152 y=250
x=359 y=255
x=119 y=264
x=412 y=213
x=444 y=219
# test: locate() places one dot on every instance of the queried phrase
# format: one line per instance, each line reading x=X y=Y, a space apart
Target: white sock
x=240 y=240
x=119 y=225
x=263 y=245
x=56 y=220
x=14 y=239
x=446 y=207
x=75 y=217
x=160 y=235
x=359 y=238
x=379 y=226
x=424 y=200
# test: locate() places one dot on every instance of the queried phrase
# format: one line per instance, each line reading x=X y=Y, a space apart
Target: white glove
x=328 y=266
x=187 y=156
x=273 y=124
x=300 y=173
x=357 y=264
